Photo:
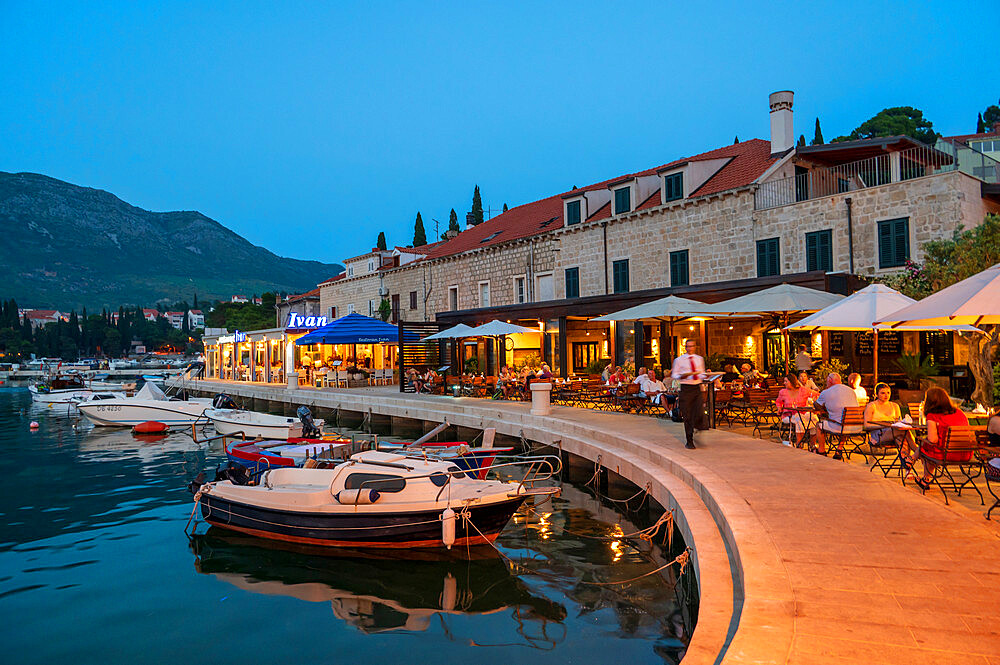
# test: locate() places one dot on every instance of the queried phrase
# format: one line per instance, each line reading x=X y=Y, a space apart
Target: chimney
x=782 y=134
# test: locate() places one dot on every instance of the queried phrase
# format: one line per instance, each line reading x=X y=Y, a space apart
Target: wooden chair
x=852 y=431
x=957 y=442
x=916 y=410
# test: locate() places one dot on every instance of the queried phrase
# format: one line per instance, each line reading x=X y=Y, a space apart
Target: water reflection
x=370 y=591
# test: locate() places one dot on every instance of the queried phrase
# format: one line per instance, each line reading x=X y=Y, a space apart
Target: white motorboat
x=255 y=424
x=150 y=403
x=374 y=499
x=61 y=388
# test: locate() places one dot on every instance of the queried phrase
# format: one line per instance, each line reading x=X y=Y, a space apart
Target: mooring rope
x=681 y=560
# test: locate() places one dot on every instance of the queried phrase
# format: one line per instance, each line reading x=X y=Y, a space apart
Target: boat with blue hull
x=373 y=500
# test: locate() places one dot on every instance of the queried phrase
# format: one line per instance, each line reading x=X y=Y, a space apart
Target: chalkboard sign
x=836 y=344
x=888 y=342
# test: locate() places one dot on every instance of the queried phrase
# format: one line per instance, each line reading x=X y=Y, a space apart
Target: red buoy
x=150 y=427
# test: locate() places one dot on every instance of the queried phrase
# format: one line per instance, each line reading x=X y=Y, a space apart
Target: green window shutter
x=572 y=213
x=572 y=282
x=619 y=271
x=673 y=187
x=679 y=268
x=623 y=201
x=812 y=254
x=902 y=241
x=767 y=257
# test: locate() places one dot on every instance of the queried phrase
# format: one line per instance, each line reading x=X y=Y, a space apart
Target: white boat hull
x=66 y=396
x=253 y=424
x=129 y=412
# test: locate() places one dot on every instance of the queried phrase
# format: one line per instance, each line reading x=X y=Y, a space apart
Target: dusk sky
x=310 y=127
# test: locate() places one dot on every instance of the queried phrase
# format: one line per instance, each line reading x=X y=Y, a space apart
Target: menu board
x=888 y=342
x=836 y=344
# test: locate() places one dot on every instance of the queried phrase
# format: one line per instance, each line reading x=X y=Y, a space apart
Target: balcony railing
x=881 y=170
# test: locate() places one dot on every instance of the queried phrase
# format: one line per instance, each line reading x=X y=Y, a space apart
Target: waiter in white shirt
x=689 y=370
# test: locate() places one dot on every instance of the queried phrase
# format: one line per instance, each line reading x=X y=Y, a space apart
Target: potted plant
x=917 y=371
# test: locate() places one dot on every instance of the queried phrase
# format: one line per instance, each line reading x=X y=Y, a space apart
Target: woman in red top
x=941 y=414
x=795 y=395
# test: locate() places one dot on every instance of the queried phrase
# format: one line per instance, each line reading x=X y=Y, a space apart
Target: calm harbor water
x=95 y=568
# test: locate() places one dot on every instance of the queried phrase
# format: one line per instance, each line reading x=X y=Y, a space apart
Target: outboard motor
x=224 y=401
x=238 y=475
x=309 y=429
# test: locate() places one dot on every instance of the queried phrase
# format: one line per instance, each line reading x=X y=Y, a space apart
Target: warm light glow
x=690 y=327
x=749 y=341
x=730 y=327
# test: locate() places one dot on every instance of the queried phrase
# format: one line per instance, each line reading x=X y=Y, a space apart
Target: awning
x=497 y=328
x=352 y=329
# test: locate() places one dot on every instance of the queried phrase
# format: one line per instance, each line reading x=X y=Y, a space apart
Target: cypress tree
x=419 y=236
x=818 y=137
x=735 y=141
x=452 y=224
x=980 y=124
x=505 y=207
x=802 y=141
x=381 y=240
x=477 y=207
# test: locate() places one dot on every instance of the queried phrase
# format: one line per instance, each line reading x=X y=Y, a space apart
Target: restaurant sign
x=297 y=321
x=235 y=338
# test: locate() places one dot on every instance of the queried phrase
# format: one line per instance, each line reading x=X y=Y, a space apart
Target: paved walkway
x=834 y=564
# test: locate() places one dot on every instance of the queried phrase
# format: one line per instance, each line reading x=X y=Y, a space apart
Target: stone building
x=708 y=227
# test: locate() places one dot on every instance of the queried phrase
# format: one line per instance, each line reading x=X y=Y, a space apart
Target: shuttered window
x=619 y=273
x=767 y=257
x=819 y=250
x=679 y=268
x=623 y=200
x=893 y=242
x=673 y=187
x=572 y=213
x=572 y=282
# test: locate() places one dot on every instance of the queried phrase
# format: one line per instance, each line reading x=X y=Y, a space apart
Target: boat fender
x=33 y=425
x=150 y=427
x=448 y=527
x=357 y=497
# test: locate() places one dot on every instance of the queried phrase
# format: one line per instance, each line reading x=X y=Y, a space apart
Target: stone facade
x=719 y=232
x=935 y=205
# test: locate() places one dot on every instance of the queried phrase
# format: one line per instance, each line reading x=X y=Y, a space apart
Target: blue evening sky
x=309 y=127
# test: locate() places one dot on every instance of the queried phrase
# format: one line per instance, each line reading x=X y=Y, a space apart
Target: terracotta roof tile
x=750 y=160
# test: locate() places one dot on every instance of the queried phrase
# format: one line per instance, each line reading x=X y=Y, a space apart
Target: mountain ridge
x=72 y=246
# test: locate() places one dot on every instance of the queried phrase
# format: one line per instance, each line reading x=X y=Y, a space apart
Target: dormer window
x=371 y=265
x=350 y=271
x=623 y=200
x=573 y=213
x=673 y=187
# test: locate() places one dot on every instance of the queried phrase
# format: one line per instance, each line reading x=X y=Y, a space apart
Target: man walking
x=689 y=370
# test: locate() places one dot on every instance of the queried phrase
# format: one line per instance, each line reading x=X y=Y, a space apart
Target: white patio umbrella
x=973 y=301
x=670 y=309
x=497 y=328
x=859 y=312
x=783 y=299
x=455 y=332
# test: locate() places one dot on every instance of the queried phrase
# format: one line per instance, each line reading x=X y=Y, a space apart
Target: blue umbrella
x=352 y=329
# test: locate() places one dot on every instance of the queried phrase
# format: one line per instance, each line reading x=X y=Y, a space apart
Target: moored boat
x=256 y=424
x=261 y=455
x=60 y=388
x=375 y=499
x=150 y=403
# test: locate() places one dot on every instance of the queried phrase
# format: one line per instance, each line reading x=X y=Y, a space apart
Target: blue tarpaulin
x=352 y=329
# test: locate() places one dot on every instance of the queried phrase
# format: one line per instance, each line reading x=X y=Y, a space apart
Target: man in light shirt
x=803 y=362
x=652 y=387
x=689 y=370
x=640 y=380
x=834 y=399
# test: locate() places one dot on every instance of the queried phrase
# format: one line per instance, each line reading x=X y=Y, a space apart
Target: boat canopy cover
x=151 y=391
x=352 y=329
